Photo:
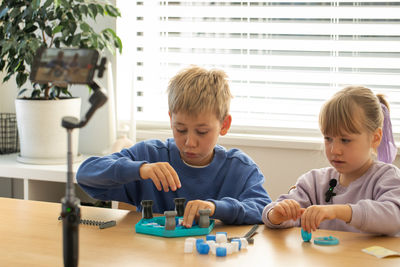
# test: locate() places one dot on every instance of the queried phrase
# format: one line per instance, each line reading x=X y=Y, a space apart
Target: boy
x=190 y=165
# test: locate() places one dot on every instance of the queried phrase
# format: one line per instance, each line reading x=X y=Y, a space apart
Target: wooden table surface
x=31 y=235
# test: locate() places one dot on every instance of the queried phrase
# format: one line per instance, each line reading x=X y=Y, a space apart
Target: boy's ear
x=226 y=124
x=376 y=138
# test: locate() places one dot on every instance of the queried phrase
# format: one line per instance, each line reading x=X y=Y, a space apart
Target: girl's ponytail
x=387 y=149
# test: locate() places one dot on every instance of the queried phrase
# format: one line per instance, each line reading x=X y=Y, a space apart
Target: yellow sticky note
x=380 y=252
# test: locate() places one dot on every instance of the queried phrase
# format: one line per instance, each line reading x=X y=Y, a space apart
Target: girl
x=358 y=193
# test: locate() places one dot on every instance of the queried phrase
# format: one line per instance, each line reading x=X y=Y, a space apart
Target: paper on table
x=380 y=252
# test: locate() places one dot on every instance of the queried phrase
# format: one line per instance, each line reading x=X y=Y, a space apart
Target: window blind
x=283 y=58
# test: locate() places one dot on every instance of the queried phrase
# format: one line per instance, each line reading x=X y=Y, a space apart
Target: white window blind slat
x=283 y=58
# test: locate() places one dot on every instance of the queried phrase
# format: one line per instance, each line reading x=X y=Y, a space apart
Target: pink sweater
x=374 y=199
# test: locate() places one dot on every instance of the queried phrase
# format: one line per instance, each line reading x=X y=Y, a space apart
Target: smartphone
x=64 y=65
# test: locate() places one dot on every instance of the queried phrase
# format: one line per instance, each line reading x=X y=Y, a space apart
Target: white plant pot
x=42 y=138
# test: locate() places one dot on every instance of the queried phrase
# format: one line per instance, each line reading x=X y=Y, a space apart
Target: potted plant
x=26 y=26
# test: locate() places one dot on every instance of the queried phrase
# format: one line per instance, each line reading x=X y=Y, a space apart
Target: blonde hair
x=195 y=90
x=352 y=110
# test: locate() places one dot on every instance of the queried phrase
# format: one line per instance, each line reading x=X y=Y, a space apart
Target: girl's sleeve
x=380 y=215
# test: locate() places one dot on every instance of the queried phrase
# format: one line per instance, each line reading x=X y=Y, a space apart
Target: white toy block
x=212 y=245
x=188 y=248
x=235 y=246
x=244 y=242
x=191 y=239
x=221 y=238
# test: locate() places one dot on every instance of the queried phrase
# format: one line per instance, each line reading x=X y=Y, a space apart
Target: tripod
x=70 y=212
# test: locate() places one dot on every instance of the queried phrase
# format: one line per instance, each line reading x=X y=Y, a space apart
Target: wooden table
x=31 y=235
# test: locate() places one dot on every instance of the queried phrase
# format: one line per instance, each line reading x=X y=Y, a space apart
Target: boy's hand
x=314 y=215
x=162 y=174
x=288 y=209
x=192 y=211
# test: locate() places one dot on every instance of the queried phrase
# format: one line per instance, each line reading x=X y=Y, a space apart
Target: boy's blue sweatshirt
x=232 y=181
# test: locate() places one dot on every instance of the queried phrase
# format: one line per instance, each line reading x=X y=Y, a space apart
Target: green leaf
x=3 y=12
x=35 y=93
x=21 y=78
x=85 y=27
x=65 y=3
x=108 y=30
x=84 y=9
x=48 y=3
x=100 y=9
x=57 y=3
x=57 y=42
x=65 y=32
x=70 y=16
x=30 y=29
x=112 y=11
x=77 y=12
x=48 y=31
x=94 y=40
x=66 y=92
x=68 y=41
x=118 y=44
x=35 y=4
x=7 y=77
x=13 y=64
x=6 y=47
x=93 y=10
x=72 y=27
x=22 y=91
x=15 y=12
x=57 y=29
x=76 y=40
x=2 y=64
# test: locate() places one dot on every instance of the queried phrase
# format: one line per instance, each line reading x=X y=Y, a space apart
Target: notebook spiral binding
x=101 y=224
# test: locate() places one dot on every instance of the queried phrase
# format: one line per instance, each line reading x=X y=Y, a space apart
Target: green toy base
x=155 y=226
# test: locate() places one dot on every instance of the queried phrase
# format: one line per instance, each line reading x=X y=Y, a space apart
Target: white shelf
x=11 y=168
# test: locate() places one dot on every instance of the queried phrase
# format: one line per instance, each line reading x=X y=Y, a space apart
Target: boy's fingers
x=169 y=181
x=161 y=177
x=189 y=215
x=172 y=177
x=156 y=182
x=175 y=177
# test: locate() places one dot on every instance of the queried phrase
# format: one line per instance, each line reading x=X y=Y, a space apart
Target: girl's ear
x=226 y=124
x=376 y=138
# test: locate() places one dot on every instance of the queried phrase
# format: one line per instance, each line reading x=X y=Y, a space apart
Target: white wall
x=281 y=166
x=8 y=93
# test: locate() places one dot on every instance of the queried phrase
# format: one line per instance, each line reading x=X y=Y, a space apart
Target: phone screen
x=75 y=66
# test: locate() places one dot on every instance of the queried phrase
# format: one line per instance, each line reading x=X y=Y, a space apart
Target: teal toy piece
x=306 y=235
x=156 y=226
x=326 y=241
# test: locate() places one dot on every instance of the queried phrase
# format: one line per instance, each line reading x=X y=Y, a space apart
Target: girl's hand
x=314 y=215
x=288 y=209
x=162 y=174
x=192 y=211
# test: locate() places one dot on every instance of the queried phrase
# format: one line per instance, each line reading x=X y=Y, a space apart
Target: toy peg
x=170 y=222
x=204 y=220
x=147 y=209
x=180 y=206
